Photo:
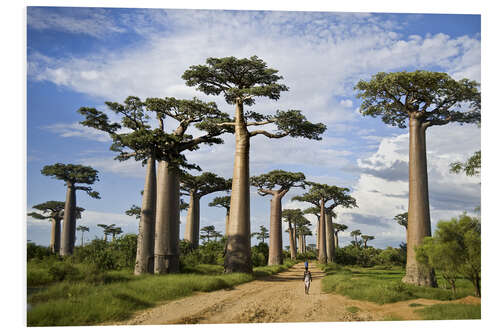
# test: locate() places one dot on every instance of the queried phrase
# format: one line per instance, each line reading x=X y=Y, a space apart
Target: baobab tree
x=367 y=238
x=262 y=234
x=107 y=229
x=276 y=183
x=319 y=195
x=223 y=202
x=314 y=210
x=209 y=231
x=292 y=216
x=301 y=231
x=53 y=211
x=83 y=229
x=355 y=234
x=196 y=187
x=158 y=241
x=423 y=99
x=338 y=227
x=72 y=174
x=241 y=81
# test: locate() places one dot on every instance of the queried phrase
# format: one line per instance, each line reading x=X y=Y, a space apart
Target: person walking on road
x=307 y=280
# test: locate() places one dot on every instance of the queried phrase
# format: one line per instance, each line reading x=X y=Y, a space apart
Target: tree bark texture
x=419 y=222
x=69 y=224
x=226 y=232
x=144 y=260
x=293 y=249
x=330 y=246
x=238 y=258
x=166 y=252
x=275 y=232
x=55 y=235
x=192 y=232
x=322 y=256
x=336 y=235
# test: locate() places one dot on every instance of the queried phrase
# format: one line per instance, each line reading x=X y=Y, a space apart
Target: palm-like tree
x=367 y=238
x=355 y=234
x=262 y=234
x=83 y=229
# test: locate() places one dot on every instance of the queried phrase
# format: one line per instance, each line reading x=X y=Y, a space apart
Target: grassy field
x=383 y=285
x=115 y=295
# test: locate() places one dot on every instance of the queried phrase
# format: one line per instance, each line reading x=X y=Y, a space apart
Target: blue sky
x=86 y=56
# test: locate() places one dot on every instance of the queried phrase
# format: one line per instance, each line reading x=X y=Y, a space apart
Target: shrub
x=36 y=251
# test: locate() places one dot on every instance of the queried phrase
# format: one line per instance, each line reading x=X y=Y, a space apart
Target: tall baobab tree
x=196 y=187
x=301 y=231
x=53 y=211
x=423 y=99
x=107 y=229
x=158 y=241
x=241 y=81
x=320 y=195
x=338 y=227
x=314 y=210
x=367 y=238
x=355 y=234
x=223 y=202
x=72 y=174
x=83 y=229
x=276 y=183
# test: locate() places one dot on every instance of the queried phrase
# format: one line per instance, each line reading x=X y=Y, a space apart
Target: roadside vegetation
x=97 y=283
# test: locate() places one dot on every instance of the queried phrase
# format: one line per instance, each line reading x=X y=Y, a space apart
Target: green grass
x=383 y=285
x=83 y=303
x=352 y=309
x=450 y=311
x=414 y=305
x=116 y=295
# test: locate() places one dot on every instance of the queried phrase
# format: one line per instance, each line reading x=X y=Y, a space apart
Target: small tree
x=455 y=249
x=355 y=234
x=207 y=232
x=83 y=229
x=276 y=183
x=196 y=187
x=107 y=229
x=53 y=211
x=338 y=228
x=223 y=202
x=402 y=219
x=72 y=175
x=367 y=238
x=241 y=81
x=423 y=99
x=262 y=234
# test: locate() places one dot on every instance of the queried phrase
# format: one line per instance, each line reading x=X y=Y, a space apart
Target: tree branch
x=263 y=192
x=269 y=135
x=260 y=123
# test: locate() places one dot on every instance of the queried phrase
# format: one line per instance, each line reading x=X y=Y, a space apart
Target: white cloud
x=77 y=130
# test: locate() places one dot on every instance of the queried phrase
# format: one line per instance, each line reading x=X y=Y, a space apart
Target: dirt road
x=279 y=298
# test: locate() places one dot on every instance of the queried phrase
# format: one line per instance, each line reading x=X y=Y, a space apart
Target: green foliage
x=84 y=303
x=260 y=254
x=37 y=251
x=382 y=285
x=471 y=167
x=74 y=174
x=450 y=311
x=338 y=195
x=392 y=257
x=455 y=249
x=435 y=98
x=235 y=78
x=203 y=184
x=402 y=219
x=284 y=180
x=294 y=123
x=209 y=253
x=262 y=235
x=221 y=202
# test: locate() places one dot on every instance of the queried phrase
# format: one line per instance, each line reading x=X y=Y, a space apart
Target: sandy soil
x=279 y=298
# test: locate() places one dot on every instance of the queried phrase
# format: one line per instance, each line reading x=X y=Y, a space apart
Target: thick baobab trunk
x=144 y=260
x=192 y=232
x=293 y=249
x=238 y=258
x=322 y=256
x=166 y=251
x=226 y=232
x=69 y=224
x=419 y=221
x=318 y=236
x=330 y=246
x=55 y=235
x=275 y=232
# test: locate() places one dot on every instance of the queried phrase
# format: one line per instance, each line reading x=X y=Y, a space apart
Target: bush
x=34 y=251
x=209 y=253
x=260 y=254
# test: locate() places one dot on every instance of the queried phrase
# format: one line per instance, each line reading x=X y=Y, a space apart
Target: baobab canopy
x=74 y=174
x=435 y=98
